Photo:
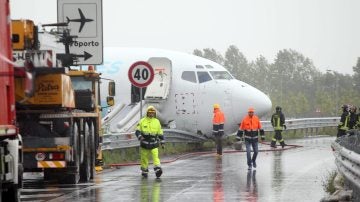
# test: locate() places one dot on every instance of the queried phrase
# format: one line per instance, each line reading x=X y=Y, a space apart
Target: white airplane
x=183 y=91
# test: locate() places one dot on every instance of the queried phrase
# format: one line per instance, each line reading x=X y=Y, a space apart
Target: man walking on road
x=218 y=128
x=251 y=126
x=149 y=132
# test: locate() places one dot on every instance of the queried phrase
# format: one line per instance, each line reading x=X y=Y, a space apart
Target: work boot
x=254 y=165
x=273 y=144
x=282 y=144
x=250 y=167
x=144 y=172
x=158 y=171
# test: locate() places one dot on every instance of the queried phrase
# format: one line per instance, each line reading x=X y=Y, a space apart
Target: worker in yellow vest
x=278 y=123
x=343 y=126
x=150 y=135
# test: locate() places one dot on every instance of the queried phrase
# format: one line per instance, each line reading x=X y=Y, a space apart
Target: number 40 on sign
x=141 y=74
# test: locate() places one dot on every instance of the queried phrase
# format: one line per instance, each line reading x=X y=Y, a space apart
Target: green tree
x=237 y=64
x=210 y=54
x=260 y=73
x=293 y=72
x=198 y=52
x=356 y=76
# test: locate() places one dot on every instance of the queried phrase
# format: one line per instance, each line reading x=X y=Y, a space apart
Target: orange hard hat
x=251 y=109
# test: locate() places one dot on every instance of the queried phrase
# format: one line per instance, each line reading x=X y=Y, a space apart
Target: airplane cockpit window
x=209 y=66
x=203 y=77
x=199 y=67
x=189 y=76
x=217 y=75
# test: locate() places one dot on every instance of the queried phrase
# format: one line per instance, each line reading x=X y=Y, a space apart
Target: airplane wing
x=82 y=20
x=82 y=17
x=81 y=26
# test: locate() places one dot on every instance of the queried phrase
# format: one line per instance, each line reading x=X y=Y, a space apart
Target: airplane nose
x=262 y=104
x=245 y=96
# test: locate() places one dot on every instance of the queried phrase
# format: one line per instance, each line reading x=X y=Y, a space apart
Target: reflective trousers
x=277 y=137
x=144 y=157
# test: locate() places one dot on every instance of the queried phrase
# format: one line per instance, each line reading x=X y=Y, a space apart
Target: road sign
x=84 y=19
x=141 y=74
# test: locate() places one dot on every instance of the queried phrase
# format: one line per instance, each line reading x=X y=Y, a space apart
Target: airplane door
x=160 y=86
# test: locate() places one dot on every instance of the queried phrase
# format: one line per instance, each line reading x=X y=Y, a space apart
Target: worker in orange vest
x=251 y=126
x=218 y=128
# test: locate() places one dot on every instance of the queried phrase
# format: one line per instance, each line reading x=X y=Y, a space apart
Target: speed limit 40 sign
x=141 y=74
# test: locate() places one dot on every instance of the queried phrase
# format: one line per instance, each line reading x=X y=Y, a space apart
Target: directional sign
x=141 y=74
x=84 y=19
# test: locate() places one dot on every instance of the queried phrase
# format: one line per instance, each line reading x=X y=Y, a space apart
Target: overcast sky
x=326 y=31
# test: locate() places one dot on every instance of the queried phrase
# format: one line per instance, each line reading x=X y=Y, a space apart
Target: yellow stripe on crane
x=51 y=164
x=47 y=149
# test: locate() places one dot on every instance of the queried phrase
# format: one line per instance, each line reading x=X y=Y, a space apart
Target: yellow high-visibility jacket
x=150 y=130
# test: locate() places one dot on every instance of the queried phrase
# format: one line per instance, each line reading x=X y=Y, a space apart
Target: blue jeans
x=254 y=144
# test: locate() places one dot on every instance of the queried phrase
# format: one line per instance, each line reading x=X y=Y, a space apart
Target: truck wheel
x=74 y=176
x=71 y=179
x=85 y=165
x=12 y=194
x=20 y=175
x=92 y=150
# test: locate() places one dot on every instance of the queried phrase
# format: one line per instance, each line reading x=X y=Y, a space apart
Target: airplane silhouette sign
x=82 y=20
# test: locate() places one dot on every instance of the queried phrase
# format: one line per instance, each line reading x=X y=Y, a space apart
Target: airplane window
x=189 y=76
x=203 y=77
x=199 y=67
x=209 y=66
x=220 y=75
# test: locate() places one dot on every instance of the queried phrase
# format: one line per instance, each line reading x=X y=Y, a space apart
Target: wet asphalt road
x=290 y=175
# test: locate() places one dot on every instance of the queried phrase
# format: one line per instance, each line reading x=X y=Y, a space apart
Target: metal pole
x=141 y=103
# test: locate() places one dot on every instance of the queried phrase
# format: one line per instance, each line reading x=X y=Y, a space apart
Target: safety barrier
x=293 y=124
x=347 y=157
x=128 y=139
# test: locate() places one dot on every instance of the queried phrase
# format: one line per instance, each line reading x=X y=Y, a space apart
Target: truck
x=10 y=140
x=57 y=106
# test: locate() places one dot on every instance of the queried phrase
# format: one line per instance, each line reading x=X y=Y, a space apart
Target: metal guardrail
x=347 y=158
x=128 y=139
x=293 y=124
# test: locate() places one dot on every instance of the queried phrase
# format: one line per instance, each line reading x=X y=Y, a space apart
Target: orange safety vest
x=250 y=123
x=218 y=122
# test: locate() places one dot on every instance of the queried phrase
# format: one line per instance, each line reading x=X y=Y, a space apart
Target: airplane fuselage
x=195 y=85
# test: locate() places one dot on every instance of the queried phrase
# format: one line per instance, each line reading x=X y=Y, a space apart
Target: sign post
x=141 y=74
